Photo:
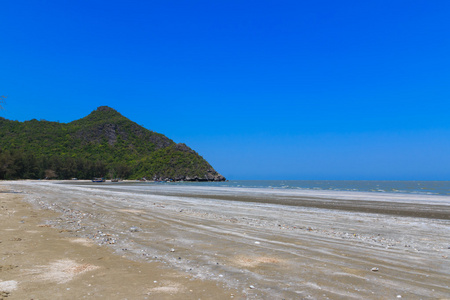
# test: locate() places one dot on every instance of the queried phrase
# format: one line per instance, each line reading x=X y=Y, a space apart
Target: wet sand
x=405 y=205
x=260 y=245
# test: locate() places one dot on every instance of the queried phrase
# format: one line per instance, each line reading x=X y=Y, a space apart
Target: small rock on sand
x=134 y=229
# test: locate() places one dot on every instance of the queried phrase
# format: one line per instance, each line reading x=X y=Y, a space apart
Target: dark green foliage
x=104 y=143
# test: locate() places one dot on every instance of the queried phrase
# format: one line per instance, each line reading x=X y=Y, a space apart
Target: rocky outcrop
x=216 y=177
x=208 y=177
x=184 y=148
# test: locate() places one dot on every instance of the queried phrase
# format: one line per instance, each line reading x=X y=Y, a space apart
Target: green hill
x=102 y=144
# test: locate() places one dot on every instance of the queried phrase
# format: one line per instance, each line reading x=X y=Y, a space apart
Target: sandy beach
x=43 y=261
x=84 y=241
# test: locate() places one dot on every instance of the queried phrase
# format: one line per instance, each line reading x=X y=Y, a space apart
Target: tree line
x=26 y=165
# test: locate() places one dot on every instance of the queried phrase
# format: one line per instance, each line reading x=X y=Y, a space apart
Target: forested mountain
x=102 y=144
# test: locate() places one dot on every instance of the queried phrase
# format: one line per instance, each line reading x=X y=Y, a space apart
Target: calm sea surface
x=408 y=187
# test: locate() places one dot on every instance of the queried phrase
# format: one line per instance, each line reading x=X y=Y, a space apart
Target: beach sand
x=39 y=261
x=72 y=241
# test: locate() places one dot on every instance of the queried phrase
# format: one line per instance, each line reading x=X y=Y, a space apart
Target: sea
x=373 y=186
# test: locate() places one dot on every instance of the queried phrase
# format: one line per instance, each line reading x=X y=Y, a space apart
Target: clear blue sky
x=261 y=89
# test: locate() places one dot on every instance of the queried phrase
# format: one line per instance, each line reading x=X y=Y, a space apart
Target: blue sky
x=261 y=89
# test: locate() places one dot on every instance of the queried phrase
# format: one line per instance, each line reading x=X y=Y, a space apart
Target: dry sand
x=122 y=242
x=39 y=261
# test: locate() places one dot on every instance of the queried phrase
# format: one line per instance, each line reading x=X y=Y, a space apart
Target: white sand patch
x=8 y=286
x=167 y=287
x=82 y=241
x=60 y=271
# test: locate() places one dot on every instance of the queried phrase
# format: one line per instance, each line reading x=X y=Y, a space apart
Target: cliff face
x=106 y=142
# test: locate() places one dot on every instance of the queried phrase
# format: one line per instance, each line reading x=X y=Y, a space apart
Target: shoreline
x=418 y=210
x=397 y=204
x=251 y=249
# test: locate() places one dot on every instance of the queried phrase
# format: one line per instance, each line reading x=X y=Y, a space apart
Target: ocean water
x=404 y=187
